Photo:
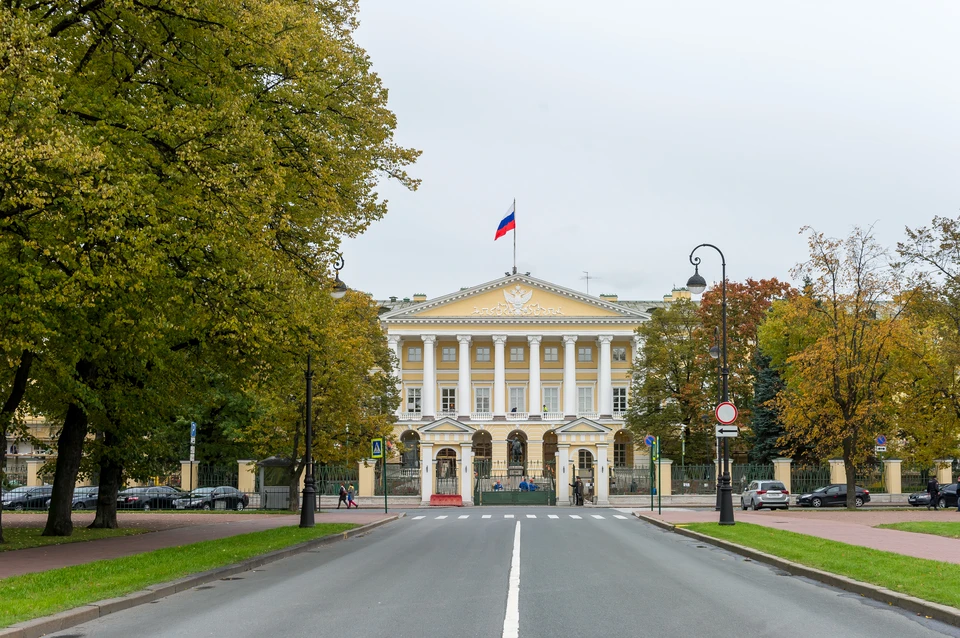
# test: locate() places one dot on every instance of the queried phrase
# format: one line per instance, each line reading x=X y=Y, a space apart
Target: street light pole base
x=308 y=505
x=726 y=502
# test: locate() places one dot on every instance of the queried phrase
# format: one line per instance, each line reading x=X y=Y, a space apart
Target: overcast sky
x=629 y=132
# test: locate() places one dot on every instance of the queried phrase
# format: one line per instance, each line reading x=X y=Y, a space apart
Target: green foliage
x=766 y=426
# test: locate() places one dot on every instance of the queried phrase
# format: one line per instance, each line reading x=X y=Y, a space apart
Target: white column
x=466 y=473
x=569 y=375
x=426 y=472
x=606 y=385
x=534 y=404
x=601 y=478
x=563 y=474
x=395 y=346
x=429 y=376
x=499 y=377
x=463 y=381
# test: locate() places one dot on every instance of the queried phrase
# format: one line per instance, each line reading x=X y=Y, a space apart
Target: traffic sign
x=726 y=413
x=881 y=448
x=881 y=440
x=650 y=440
x=376 y=448
x=193 y=429
x=726 y=431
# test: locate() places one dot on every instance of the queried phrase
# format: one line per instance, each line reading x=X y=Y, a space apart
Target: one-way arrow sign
x=728 y=431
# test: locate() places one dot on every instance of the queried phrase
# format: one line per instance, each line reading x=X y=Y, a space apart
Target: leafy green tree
x=766 y=427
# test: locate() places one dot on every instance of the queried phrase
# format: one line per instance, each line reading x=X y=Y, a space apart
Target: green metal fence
x=694 y=479
x=329 y=478
x=401 y=481
x=629 y=480
x=870 y=476
x=742 y=474
x=914 y=478
x=806 y=478
x=209 y=475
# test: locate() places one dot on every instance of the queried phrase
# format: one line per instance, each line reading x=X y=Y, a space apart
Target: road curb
x=91 y=611
x=943 y=613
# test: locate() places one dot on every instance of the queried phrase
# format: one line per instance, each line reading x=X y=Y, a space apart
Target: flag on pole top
x=508 y=223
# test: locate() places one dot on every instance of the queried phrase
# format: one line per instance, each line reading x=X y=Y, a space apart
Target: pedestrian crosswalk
x=514 y=516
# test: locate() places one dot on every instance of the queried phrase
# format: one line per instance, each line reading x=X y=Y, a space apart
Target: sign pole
x=659 y=477
x=193 y=450
x=384 y=484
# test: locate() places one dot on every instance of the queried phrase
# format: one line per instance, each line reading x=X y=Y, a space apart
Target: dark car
x=84 y=498
x=213 y=498
x=835 y=494
x=947 y=497
x=147 y=498
x=27 y=498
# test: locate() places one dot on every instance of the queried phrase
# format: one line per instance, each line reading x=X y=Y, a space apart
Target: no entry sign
x=726 y=413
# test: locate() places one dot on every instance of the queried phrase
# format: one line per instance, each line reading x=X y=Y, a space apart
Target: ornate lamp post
x=697 y=284
x=308 y=505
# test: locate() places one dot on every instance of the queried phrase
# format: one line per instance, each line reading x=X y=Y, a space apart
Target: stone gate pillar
x=426 y=472
x=781 y=471
x=892 y=477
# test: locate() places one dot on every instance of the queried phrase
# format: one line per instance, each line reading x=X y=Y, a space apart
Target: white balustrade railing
x=410 y=416
x=517 y=416
x=620 y=416
x=588 y=415
x=552 y=416
x=481 y=416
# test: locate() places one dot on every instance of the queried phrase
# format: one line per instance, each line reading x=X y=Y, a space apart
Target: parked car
x=947 y=498
x=834 y=494
x=759 y=494
x=27 y=498
x=213 y=498
x=148 y=498
x=83 y=498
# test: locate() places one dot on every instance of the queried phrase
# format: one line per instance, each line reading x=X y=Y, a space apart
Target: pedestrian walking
x=577 y=491
x=343 y=497
x=350 y=501
x=933 y=489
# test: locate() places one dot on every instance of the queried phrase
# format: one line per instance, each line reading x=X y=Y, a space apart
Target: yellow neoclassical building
x=513 y=379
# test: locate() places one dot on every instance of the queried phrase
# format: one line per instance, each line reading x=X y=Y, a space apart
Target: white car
x=770 y=494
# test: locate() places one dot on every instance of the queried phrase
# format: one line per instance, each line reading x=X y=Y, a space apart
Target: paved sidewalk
x=853 y=528
x=173 y=530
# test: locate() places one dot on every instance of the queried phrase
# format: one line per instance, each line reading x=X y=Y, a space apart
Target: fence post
x=366 y=476
x=665 y=480
x=246 y=479
x=467 y=471
x=944 y=471
x=33 y=472
x=892 y=476
x=781 y=472
x=838 y=472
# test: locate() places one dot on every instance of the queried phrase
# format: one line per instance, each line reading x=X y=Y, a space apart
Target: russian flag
x=508 y=223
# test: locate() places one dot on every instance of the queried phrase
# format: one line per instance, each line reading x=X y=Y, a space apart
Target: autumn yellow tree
x=840 y=385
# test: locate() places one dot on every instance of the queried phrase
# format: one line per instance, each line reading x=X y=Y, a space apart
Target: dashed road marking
x=464 y=516
x=596 y=516
x=575 y=516
x=508 y=515
x=440 y=518
x=552 y=516
x=417 y=518
x=485 y=516
x=621 y=517
x=531 y=515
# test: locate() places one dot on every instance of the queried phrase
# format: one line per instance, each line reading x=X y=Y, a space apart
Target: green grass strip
x=927 y=579
x=950 y=530
x=27 y=537
x=44 y=593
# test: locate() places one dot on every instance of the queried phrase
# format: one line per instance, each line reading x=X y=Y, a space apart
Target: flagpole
x=514 y=235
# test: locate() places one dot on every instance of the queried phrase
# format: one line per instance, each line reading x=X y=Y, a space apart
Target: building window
x=448 y=354
x=415 y=353
x=483 y=353
x=619 y=454
x=585 y=399
x=619 y=354
x=551 y=399
x=620 y=399
x=413 y=400
x=585 y=354
x=518 y=399
x=448 y=400
x=551 y=353
x=516 y=354
x=585 y=460
x=482 y=399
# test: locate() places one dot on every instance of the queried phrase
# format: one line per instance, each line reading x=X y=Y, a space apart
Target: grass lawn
x=951 y=530
x=24 y=537
x=927 y=579
x=35 y=595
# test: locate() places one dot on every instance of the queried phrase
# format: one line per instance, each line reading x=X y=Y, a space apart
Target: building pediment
x=516 y=298
x=446 y=425
x=583 y=426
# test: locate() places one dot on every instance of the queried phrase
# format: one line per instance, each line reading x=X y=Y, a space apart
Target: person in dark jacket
x=933 y=489
x=343 y=497
x=577 y=491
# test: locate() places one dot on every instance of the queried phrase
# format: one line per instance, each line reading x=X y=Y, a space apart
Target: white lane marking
x=574 y=516
x=464 y=516
x=596 y=516
x=417 y=518
x=485 y=516
x=531 y=515
x=508 y=515
x=622 y=518
x=553 y=516
x=511 y=620
x=440 y=518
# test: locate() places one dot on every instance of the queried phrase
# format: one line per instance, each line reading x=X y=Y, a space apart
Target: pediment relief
x=583 y=426
x=447 y=425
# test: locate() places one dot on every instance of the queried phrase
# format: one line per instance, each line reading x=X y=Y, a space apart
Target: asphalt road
x=430 y=576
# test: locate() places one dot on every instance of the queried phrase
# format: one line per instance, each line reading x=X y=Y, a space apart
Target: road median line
x=91 y=611
x=943 y=613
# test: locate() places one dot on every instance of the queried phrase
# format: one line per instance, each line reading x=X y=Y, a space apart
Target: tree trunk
x=295 y=487
x=851 y=473
x=10 y=407
x=111 y=473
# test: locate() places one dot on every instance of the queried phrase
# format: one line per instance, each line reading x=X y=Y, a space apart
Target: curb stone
x=936 y=611
x=91 y=611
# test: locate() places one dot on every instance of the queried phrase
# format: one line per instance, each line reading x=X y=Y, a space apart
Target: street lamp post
x=715 y=354
x=697 y=284
x=308 y=505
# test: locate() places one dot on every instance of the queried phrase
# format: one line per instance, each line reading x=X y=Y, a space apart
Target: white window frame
x=516 y=354
x=488 y=399
x=483 y=354
x=551 y=353
x=415 y=354
x=581 y=393
x=448 y=353
x=522 y=392
x=625 y=402
x=555 y=389
x=619 y=353
x=446 y=394
x=584 y=354
x=418 y=401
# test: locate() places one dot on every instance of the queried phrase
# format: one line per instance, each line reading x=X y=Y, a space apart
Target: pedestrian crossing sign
x=376 y=451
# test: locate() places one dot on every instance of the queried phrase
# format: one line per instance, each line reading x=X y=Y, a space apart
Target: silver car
x=770 y=494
